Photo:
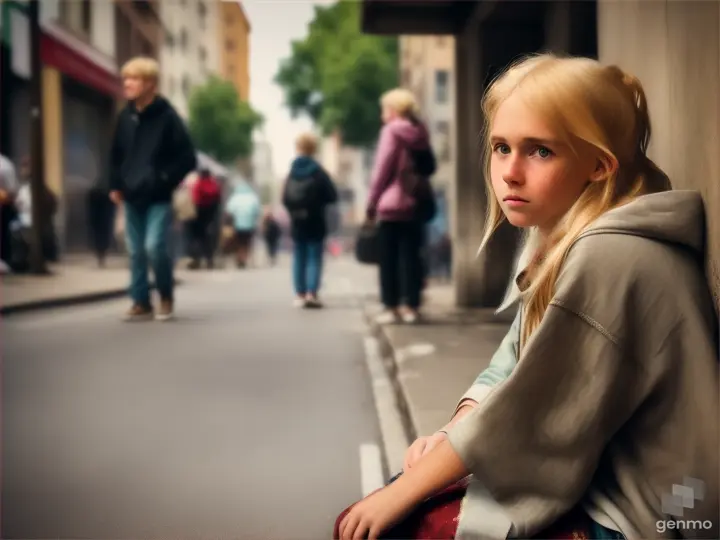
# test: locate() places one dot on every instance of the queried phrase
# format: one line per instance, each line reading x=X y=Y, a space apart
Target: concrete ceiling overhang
x=419 y=17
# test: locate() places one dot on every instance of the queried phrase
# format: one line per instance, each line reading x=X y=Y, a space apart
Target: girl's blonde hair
x=143 y=67
x=401 y=101
x=581 y=99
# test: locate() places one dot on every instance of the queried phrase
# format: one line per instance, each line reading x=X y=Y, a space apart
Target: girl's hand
x=374 y=515
x=420 y=447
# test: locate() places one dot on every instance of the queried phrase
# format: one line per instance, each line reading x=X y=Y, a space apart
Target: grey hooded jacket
x=613 y=403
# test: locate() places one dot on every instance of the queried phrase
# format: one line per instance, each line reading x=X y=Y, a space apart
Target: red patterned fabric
x=437 y=519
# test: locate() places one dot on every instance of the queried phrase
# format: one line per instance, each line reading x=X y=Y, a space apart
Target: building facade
x=83 y=43
x=189 y=54
x=427 y=68
x=664 y=43
x=234 y=46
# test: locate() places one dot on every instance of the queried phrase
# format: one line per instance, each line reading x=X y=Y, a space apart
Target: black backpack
x=417 y=183
x=304 y=196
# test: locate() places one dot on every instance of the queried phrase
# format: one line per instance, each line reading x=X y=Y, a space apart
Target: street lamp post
x=37 y=178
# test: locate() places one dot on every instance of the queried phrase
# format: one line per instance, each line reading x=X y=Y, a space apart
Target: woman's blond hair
x=143 y=67
x=401 y=101
x=582 y=100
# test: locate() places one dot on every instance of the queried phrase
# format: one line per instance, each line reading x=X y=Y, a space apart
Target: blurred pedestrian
x=151 y=154
x=244 y=209
x=101 y=216
x=394 y=206
x=308 y=192
x=8 y=191
x=206 y=193
x=271 y=233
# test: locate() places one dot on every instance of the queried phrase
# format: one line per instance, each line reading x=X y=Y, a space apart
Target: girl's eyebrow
x=494 y=139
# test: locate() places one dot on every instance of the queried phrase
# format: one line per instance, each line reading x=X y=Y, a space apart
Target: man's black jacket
x=151 y=153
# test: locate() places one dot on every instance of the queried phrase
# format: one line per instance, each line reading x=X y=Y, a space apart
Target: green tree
x=222 y=124
x=337 y=74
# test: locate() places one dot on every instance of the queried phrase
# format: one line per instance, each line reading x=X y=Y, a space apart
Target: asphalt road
x=244 y=418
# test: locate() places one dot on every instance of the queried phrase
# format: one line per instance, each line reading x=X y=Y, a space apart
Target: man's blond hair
x=143 y=67
x=402 y=101
x=306 y=144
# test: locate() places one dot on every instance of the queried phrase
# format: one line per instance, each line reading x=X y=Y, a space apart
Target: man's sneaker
x=313 y=302
x=387 y=317
x=299 y=302
x=165 y=313
x=138 y=313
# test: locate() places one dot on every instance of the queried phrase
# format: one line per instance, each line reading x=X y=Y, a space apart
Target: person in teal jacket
x=244 y=210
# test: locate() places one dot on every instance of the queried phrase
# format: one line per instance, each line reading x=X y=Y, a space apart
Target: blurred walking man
x=151 y=154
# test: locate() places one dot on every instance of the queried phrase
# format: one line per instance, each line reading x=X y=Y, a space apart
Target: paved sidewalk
x=434 y=363
x=76 y=280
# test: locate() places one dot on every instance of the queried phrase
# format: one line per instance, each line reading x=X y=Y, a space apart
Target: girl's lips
x=515 y=201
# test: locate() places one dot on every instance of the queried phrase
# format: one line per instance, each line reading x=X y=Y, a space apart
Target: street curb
x=37 y=305
x=389 y=360
x=67 y=301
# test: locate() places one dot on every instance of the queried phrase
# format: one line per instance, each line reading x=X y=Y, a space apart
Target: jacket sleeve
x=115 y=161
x=536 y=442
x=183 y=158
x=285 y=201
x=386 y=160
x=501 y=365
x=331 y=195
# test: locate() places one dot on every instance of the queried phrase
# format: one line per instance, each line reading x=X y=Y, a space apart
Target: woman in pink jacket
x=395 y=209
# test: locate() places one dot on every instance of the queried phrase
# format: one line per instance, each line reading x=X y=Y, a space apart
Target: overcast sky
x=274 y=24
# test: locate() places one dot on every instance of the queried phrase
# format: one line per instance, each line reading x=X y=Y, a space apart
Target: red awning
x=68 y=61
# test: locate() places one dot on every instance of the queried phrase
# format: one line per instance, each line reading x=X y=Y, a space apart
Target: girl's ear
x=605 y=167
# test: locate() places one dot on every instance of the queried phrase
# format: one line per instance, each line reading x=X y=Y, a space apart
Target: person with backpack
x=401 y=202
x=206 y=193
x=307 y=194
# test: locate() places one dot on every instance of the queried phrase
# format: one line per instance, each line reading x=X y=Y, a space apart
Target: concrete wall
x=103 y=27
x=674 y=48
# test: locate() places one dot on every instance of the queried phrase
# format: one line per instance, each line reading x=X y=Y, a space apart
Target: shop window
x=441 y=86
x=442 y=140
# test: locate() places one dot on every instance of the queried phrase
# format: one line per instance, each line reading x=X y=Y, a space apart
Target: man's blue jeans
x=308 y=266
x=147 y=233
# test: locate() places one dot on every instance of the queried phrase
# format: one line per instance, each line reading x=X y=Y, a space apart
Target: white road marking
x=371 y=473
x=395 y=442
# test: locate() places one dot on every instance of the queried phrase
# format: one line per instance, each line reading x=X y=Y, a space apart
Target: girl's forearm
x=465 y=408
x=440 y=468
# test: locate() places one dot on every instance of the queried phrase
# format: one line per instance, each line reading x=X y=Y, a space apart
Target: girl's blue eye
x=543 y=152
x=502 y=148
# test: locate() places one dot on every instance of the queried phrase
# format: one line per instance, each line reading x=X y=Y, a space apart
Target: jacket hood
x=413 y=134
x=673 y=217
x=303 y=166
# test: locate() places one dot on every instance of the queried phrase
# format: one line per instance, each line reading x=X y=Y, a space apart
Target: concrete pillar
x=52 y=129
x=54 y=142
x=468 y=200
x=674 y=49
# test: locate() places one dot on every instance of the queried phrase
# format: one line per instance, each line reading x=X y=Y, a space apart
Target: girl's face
x=535 y=176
